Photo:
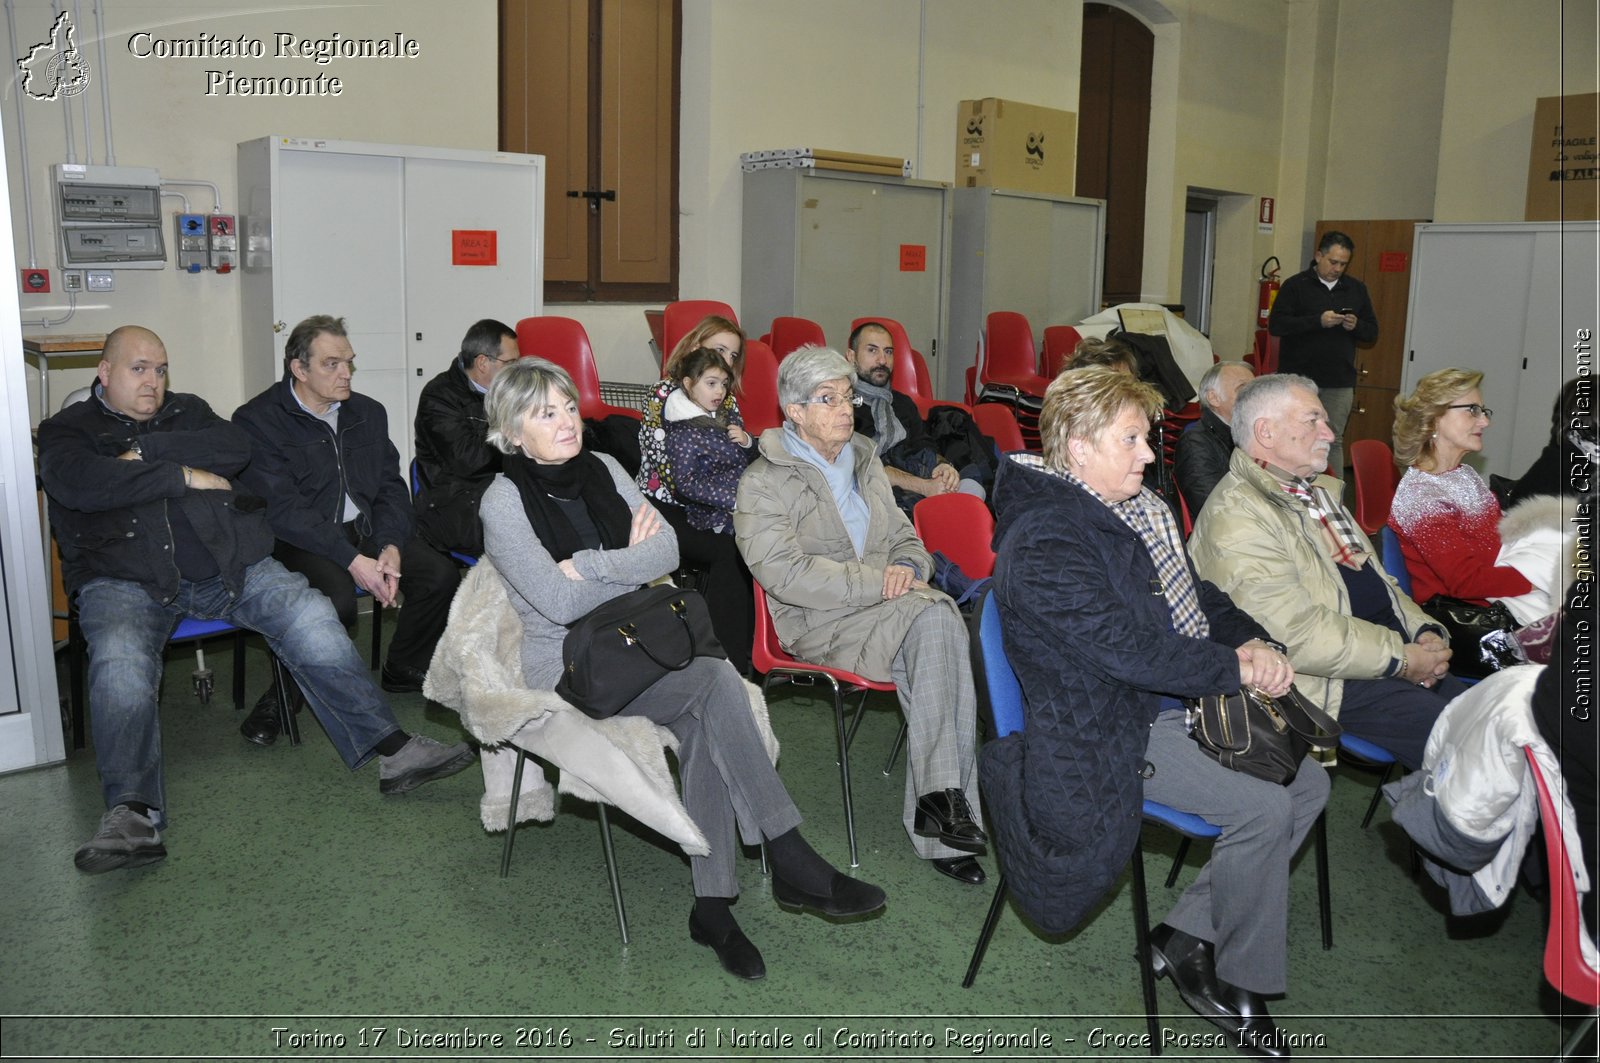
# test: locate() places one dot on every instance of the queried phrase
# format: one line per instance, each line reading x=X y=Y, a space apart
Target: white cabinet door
x=1506 y=299
x=447 y=287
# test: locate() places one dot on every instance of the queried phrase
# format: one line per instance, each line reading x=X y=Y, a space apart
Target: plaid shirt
x=1339 y=529
x=1151 y=520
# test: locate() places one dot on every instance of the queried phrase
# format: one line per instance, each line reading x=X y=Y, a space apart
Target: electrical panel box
x=222 y=234
x=109 y=216
x=191 y=242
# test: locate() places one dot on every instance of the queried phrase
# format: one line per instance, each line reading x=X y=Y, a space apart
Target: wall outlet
x=35 y=281
x=102 y=280
x=72 y=280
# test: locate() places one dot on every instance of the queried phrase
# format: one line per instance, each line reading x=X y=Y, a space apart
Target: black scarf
x=582 y=477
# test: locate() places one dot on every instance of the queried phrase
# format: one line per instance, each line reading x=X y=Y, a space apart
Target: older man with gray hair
x=1276 y=538
x=1205 y=447
x=846 y=583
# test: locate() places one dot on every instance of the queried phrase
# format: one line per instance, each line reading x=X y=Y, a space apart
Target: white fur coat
x=477 y=671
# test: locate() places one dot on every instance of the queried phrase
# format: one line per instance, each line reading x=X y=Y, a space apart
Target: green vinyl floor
x=300 y=915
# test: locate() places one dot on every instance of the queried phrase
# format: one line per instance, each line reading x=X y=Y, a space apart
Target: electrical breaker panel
x=207 y=241
x=109 y=216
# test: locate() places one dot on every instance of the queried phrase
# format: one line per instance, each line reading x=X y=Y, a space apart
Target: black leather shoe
x=737 y=954
x=261 y=726
x=402 y=679
x=846 y=896
x=1242 y=1014
x=1188 y=962
x=1253 y=1032
x=946 y=815
x=961 y=868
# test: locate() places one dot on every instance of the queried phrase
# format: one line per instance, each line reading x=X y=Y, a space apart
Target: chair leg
x=238 y=670
x=855 y=718
x=844 y=769
x=377 y=634
x=611 y=871
x=1177 y=861
x=1324 y=894
x=1570 y=1049
x=76 y=664
x=1141 y=939
x=986 y=933
x=283 y=683
x=899 y=744
x=511 y=813
x=1377 y=795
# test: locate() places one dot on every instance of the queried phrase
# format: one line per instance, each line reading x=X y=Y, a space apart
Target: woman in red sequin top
x=1445 y=516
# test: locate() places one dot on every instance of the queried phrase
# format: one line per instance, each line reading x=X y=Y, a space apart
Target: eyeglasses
x=832 y=401
x=1474 y=409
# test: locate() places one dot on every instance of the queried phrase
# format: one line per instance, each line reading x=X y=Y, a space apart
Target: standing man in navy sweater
x=1319 y=317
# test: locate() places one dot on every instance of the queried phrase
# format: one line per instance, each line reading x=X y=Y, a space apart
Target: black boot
x=261 y=726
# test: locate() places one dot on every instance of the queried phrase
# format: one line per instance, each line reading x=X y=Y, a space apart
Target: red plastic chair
x=1173 y=423
x=960 y=527
x=770 y=659
x=1264 y=359
x=789 y=334
x=1059 y=343
x=995 y=420
x=758 y=389
x=679 y=318
x=1564 y=965
x=564 y=342
x=1372 y=462
x=910 y=370
x=1009 y=354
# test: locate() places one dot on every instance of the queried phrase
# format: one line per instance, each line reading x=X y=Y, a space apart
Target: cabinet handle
x=1365 y=370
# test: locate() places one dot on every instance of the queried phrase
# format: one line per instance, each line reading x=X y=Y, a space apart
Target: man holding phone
x=1319 y=317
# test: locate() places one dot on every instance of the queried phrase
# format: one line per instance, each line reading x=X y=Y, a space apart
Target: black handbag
x=622 y=647
x=1258 y=734
x=1466 y=624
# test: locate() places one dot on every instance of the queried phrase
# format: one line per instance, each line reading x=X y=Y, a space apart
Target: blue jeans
x=126 y=630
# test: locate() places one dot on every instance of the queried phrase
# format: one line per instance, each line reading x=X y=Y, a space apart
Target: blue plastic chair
x=416 y=490
x=189 y=629
x=999 y=689
x=1394 y=562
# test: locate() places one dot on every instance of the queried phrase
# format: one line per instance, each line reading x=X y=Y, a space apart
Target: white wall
x=1390 y=61
x=1503 y=56
x=162 y=117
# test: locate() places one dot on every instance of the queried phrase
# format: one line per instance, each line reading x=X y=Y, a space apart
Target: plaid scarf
x=1148 y=517
x=1339 y=534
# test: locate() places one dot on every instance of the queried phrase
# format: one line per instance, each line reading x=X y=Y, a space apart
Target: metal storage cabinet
x=367 y=232
x=1507 y=298
x=1041 y=256
x=833 y=246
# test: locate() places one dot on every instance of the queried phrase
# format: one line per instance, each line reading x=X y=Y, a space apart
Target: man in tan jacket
x=1275 y=536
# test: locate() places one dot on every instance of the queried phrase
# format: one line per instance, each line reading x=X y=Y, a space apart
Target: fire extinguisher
x=1260 y=357
x=1269 y=290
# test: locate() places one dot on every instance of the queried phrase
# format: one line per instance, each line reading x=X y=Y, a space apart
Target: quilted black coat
x=1090 y=637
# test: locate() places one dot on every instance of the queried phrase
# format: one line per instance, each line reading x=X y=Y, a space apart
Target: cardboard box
x=1563 y=170
x=1005 y=144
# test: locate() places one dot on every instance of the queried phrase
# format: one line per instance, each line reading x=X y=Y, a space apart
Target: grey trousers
x=1240 y=901
x=1337 y=401
x=932 y=676
x=727 y=778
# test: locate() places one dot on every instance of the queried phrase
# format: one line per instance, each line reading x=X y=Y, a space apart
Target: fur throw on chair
x=477 y=671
